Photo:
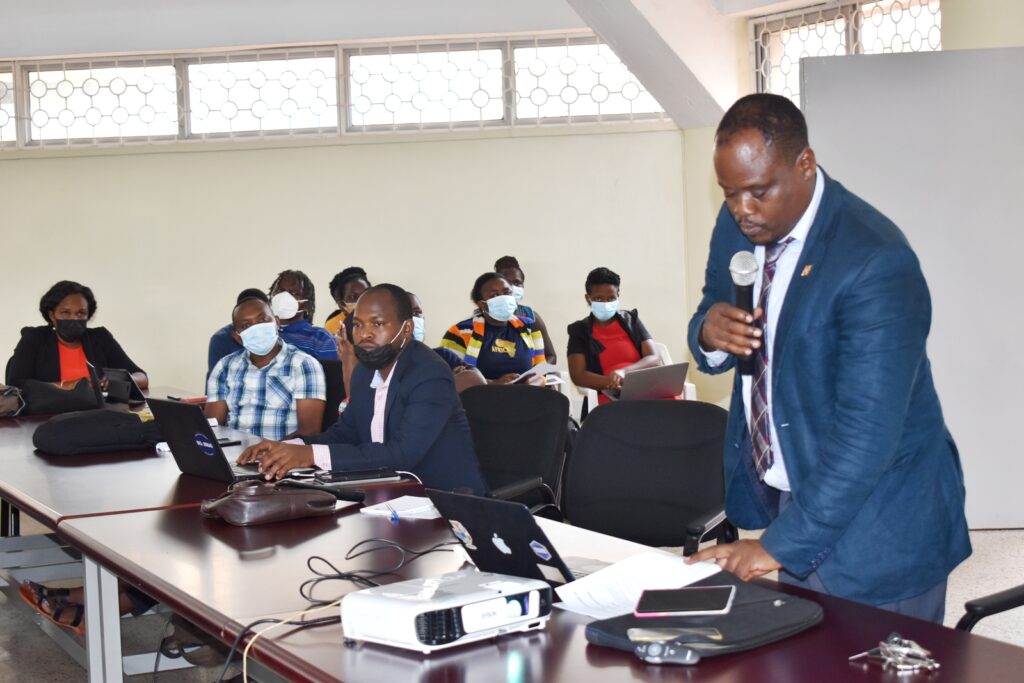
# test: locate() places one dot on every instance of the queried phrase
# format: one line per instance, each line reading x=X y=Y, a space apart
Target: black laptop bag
x=95 y=431
x=758 y=616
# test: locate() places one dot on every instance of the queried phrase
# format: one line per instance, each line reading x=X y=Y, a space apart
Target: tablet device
x=690 y=601
x=121 y=386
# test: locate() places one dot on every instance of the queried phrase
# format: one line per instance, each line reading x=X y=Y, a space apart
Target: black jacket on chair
x=36 y=355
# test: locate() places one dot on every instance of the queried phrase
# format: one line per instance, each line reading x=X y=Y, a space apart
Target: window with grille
x=330 y=90
x=839 y=28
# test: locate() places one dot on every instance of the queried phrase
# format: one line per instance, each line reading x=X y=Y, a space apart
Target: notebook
x=664 y=381
x=502 y=537
x=195 y=447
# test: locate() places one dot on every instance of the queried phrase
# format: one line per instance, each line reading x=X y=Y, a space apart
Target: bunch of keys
x=898 y=653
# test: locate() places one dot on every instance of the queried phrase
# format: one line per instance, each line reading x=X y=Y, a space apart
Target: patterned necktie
x=760 y=432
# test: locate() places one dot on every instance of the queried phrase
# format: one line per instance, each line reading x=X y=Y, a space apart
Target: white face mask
x=285 y=306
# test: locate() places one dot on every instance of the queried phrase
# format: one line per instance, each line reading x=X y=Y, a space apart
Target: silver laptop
x=664 y=381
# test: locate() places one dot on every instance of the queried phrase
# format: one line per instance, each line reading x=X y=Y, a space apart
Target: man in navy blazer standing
x=403 y=410
x=836 y=443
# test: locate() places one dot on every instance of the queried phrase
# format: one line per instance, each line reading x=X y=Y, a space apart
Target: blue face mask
x=259 y=339
x=502 y=307
x=417 y=328
x=517 y=292
x=604 y=310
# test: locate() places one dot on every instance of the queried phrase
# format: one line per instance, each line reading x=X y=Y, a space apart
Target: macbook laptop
x=664 y=381
x=121 y=386
x=503 y=537
x=195 y=447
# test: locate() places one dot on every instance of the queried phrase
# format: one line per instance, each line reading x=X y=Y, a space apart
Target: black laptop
x=502 y=537
x=195 y=447
x=121 y=386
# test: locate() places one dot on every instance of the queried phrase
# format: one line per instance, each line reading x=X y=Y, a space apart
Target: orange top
x=72 y=363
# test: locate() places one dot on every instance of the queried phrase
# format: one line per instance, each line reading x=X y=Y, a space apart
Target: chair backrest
x=663 y=354
x=518 y=431
x=642 y=470
x=335 y=384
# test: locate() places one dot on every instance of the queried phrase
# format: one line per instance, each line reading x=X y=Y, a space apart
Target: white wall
x=167 y=239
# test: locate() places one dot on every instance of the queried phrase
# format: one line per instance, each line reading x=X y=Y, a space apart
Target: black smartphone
x=685 y=602
x=357 y=476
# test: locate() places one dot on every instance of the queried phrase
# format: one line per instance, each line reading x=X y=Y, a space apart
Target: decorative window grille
x=839 y=28
x=8 y=122
x=419 y=86
x=263 y=92
x=574 y=80
x=317 y=90
x=101 y=101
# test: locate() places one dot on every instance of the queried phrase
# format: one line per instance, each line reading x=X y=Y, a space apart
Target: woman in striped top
x=499 y=344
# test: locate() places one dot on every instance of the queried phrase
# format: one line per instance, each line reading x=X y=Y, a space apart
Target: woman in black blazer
x=56 y=352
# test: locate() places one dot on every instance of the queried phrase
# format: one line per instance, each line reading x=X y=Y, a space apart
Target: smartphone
x=353 y=476
x=686 y=602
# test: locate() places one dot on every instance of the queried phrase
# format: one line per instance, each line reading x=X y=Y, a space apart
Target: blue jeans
x=930 y=605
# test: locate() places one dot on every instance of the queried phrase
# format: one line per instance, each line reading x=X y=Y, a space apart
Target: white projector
x=443 y=611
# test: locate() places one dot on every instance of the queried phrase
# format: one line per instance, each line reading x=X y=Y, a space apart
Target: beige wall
x=968 y=24
x=167 y=239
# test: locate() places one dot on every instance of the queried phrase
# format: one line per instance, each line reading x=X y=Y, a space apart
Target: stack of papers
x=616 y=589
x=406 y=507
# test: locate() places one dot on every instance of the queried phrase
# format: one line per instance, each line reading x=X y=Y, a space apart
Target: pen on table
x=394 y=513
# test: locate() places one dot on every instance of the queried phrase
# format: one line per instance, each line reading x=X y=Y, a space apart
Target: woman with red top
x=609 y=342
x=58 y=351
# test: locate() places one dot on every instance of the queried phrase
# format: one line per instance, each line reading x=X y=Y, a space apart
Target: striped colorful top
x=495 y=350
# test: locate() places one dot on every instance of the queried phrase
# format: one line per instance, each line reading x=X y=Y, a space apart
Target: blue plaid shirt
x=261 y=401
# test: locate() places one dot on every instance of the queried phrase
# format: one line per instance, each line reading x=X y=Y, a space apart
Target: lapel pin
x=807 y=270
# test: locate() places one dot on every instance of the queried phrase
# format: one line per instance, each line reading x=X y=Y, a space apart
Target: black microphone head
x=743 y=267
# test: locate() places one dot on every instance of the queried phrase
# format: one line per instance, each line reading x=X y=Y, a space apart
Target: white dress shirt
x=784 y=268
x=322 y=452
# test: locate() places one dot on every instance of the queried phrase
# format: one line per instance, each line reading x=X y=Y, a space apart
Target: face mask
x=381 y=356
x=417 y=328
x=259 y=339
x=502 y=307
x=604 y=310
x=517 y=292
x=285 y=306
x=70 y=330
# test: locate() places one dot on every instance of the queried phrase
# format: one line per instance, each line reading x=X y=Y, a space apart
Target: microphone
x=743 y=268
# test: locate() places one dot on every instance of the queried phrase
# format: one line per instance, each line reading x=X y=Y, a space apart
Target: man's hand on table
x=276 y=459
x=746 y=559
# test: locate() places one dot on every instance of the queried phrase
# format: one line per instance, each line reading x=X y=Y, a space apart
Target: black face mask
x=380 y=357
x=70 y=330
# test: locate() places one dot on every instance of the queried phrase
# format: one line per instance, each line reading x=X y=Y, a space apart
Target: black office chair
x=651 y=472
x=990 y=604
x=335 y=385
x=519 y=435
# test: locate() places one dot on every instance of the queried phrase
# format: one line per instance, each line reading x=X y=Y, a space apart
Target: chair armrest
x=990 y=604
x=699 y=528
x=518 y=488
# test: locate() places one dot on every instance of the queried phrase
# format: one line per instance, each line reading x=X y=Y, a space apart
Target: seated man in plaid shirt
x=268 y=388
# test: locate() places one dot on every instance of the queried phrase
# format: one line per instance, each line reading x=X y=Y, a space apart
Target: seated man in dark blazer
x=403 y=410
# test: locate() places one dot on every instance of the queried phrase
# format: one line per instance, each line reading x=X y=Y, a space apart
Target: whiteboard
x=935 y=141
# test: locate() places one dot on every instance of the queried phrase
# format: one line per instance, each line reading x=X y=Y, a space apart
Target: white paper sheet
x=616 y=589
x=406 y=507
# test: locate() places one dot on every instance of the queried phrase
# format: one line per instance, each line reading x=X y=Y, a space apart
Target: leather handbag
x=11 y=402
x=256 y=502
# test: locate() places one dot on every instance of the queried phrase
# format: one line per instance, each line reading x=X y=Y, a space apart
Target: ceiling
x=66 y=27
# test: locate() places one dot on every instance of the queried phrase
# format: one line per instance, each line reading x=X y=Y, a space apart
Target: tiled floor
x=28 y=655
